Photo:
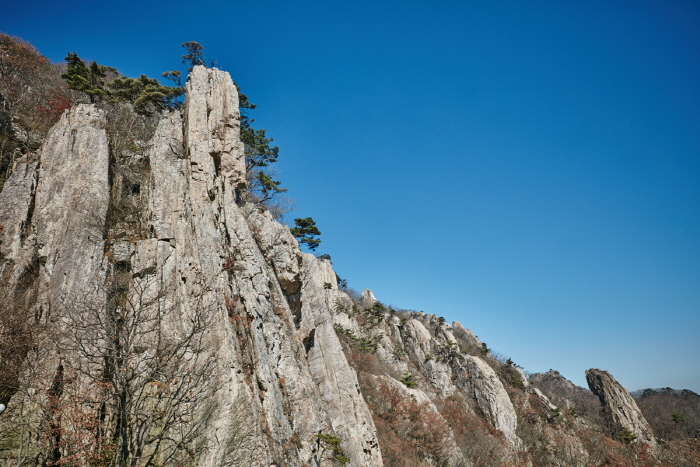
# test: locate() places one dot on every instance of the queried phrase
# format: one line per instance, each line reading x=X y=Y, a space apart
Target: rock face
x=53 y=262
x=211 y=281
x=619 y=406
x=492 y=398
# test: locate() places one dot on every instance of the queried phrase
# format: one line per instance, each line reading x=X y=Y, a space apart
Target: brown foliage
x=75 y=428
x=19 y=328
x=34 y=97
x=659 y=409
x=479 y=440
x=410 y=433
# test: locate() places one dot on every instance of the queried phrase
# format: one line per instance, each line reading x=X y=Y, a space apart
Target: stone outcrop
x=15 y=204
x=555 y=383
x=492 y=398
x=270 y=373
x=440 y=354
x=619 y=407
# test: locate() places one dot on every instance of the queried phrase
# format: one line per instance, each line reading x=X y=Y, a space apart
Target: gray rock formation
x=619 y=407
x=225 y=280
x=53 y=262
x=492 y=398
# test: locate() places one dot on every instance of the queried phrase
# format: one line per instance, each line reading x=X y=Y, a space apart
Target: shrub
x=484 y=349
x=362 y=344
x=407 y=379
x=627 y=436
x=399 y=351
x=411 y=433
x=332 y=444
x=678 y=417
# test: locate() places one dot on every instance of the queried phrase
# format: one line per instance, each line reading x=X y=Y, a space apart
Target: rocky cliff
x=206 y=272
x=167 y=319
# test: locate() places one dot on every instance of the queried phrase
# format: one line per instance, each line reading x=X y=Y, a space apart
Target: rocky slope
x=190 y=329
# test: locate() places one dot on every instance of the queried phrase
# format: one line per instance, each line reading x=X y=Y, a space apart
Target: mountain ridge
x=195 y=300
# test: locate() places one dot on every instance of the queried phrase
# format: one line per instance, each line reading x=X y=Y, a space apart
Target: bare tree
x=149 y=364
x=243 y=446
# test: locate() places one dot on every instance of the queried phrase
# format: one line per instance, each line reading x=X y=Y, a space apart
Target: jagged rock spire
x=619 y=406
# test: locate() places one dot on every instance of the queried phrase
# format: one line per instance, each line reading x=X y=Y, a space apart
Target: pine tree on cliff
x=85 y=79
x=306 y=232
x=194 y=54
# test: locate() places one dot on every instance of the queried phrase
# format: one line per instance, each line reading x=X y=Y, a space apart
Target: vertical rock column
x=54 y=247
x=71 y=203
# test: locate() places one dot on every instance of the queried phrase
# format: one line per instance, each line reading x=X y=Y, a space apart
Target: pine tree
x=147 y=94
x=85 y=79
x=194 y=54
x=306 y=231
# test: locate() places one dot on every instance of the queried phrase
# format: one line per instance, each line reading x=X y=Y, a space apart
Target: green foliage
x=258 y=151
x=441 y=320
x=407 y=380
x=175 y=76
x=399 y=351
x=193 y=57
x=678 y=417
x=259 y=157
x=484 y=349
x=325 y=257
x=146 y=94
x=83 y=78
x=362 y=344
x=342 y=283
x=376 y=312
x=627 y=436
x=374 y=315
x=306 y=232
x=327 y=285
x=515 y=380
x=428 y=357
x=268 y=187
x=339 y=307
x=554 y=415
x=332 y=444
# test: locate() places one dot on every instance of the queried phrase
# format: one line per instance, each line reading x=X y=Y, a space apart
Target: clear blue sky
x=530 y=169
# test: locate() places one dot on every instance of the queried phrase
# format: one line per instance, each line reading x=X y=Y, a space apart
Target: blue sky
x=530 y=169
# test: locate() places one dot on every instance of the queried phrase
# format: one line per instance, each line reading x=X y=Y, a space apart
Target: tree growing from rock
x=147 y=378
x=146 y=94
x=193 y=57
x=86 y=79
x=305 y=231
